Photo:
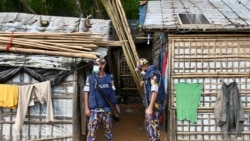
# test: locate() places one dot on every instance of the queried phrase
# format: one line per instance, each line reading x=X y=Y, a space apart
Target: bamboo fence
x=78 y=45
x=210 y=60
x=119 y=20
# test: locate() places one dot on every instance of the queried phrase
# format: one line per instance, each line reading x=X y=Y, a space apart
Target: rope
x=10 y=43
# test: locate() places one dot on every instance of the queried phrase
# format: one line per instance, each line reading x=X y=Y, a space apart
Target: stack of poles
x=117 y=15
x=78 y=45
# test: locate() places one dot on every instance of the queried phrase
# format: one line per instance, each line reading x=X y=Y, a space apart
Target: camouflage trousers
x=95 y=120
x=152 y=123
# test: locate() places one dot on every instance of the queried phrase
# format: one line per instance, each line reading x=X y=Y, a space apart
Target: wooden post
x=76 y=113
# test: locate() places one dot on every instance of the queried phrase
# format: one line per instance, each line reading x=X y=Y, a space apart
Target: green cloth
x=187 y=100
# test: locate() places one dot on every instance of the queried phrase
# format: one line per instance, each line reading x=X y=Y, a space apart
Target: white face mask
x=143 y=73
x=96 y=68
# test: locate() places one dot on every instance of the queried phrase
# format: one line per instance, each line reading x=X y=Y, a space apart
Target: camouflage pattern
x=152 y=123
x=97 y=118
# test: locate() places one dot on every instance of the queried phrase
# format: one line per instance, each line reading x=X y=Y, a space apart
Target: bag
x=116 y=113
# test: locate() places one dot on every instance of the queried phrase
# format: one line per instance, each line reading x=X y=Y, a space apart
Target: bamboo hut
x=206 y=42
x=37 y=48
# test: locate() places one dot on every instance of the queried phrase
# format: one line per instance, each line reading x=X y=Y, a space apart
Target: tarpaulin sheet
x=55 y=76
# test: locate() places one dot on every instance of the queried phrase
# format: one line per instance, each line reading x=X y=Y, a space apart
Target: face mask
x=96 y=69
x=143 y=73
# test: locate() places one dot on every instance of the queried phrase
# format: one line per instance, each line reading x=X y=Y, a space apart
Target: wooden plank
x=52 y=138
x=76 y=113
x=1 y=126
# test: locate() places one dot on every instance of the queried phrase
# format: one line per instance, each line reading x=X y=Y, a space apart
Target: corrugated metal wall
x=35 y=127
x=210 y=60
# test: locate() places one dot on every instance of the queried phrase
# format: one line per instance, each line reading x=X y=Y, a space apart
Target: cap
x=100 y=61
x=141 y=62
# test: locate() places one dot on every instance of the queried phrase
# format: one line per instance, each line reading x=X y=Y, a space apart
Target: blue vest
x=161 y=96
x=95 y=98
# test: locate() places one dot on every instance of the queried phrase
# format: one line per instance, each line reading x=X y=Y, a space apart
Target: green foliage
x=10 y=6
x=64 y=7
x=87 y=6
x=131 y=8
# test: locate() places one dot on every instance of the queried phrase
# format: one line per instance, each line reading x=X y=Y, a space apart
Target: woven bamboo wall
x=211 y=60
x=35 y=127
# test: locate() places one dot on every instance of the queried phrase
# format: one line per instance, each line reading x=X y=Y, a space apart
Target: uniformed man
x=153 y=99
x=95 y=105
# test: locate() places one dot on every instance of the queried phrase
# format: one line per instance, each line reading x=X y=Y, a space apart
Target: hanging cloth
x=8 y=96
x=228 y=110
x=187 y=100
x=42 y=92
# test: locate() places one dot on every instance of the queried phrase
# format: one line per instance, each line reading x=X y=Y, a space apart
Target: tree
x=27 y=6
x=67 y=7
x=131 y=8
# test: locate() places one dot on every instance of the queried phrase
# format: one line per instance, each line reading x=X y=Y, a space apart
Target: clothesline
x=21 y=97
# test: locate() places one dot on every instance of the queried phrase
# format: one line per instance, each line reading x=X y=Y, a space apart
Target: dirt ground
x=130 y=127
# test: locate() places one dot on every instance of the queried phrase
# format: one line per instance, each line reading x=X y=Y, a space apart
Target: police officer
x=153 y=99
x=95 y=105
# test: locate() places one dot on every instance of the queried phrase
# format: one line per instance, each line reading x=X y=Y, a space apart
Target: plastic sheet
x=55 y=76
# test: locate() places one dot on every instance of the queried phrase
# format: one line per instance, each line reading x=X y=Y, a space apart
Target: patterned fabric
x=152 y=123
x=100 y=61
x=97 y=118
x=105 y=109
x=154 y=82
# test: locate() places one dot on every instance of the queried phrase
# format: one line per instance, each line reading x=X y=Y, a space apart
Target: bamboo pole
x=47 y=45
x=116 y=13
x=132 y=49
x=52 y=138
x=45 y=33
x=213 y=76
x=40 y=122
x=211 y=108
x=210 y=39
x=23 y=44
x=80 y=34
x=214 y=73
x=46 y=52
x=80 y=41
x=83 y=41
x=209 y=133
x=62 y=44
x=214 y=56
x=106 y=43
x=53 y=35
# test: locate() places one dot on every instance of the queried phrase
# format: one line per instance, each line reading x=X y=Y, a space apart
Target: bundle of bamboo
x=117 y=15
x=78 y=45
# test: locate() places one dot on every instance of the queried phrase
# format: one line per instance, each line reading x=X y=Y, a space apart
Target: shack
x=39 y=48
x=204 y=42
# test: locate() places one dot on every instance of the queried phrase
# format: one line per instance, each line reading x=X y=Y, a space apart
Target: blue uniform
x=153 y=82
x=100 y=110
